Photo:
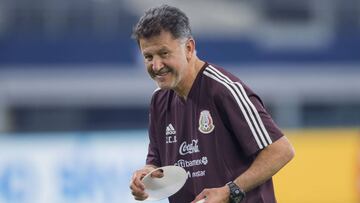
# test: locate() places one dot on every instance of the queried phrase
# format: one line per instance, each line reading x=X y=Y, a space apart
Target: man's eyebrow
x=163 y=49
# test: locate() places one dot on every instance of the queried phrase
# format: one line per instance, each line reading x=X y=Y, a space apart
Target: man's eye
x=148 y=58
x=164 y=54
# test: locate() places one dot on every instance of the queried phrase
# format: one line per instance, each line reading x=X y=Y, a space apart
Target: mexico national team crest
x=206 y=123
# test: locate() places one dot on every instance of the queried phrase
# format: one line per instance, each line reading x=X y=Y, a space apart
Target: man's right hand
x=137 y=187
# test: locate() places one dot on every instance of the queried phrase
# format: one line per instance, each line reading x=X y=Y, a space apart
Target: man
x=205 y=120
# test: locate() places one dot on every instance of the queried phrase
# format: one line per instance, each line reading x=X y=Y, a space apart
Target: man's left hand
x=214 y=195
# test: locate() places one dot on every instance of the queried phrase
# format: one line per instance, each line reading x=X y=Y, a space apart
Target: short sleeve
x=245 y=117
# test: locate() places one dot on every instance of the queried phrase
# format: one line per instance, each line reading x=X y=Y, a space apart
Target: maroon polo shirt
x=214 y=135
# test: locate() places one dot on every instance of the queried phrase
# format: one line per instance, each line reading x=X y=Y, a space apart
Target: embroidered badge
x=206 y=123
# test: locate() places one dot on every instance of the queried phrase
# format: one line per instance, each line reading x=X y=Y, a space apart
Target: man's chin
x=164 y=86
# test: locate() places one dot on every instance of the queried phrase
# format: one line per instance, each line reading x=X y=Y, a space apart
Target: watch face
x=238 y=199
x=236 y=195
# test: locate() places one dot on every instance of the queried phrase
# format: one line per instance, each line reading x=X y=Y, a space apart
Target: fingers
x=201 y=201
x=139 y=194
x=137 y=177
x=157 y=173
x=141 y=198
x=136 y=186
x=201 y=197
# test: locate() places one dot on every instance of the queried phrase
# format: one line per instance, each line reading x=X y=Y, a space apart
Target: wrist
x=150 y=167
x=236 y=194
x=226 y=191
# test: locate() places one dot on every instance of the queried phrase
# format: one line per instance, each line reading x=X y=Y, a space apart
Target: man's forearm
x=268 y=162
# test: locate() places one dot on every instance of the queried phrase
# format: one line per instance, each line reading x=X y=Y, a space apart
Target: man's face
x=165 y=59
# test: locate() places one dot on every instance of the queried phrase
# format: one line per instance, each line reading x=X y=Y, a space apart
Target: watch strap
x=236 y=193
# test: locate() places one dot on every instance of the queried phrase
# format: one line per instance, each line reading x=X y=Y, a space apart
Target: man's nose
x=157 y=64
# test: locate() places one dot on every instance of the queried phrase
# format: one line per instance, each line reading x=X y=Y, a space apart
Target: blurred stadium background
x=74 y=93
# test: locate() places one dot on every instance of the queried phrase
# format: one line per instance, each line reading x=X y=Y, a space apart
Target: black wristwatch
x=236 y=193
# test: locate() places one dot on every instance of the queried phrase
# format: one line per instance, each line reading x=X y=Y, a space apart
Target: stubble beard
x=170 y=82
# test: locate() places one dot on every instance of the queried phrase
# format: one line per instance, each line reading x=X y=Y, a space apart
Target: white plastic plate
x=160 y=188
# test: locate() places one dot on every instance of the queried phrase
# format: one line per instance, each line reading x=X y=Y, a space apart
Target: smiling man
x=171 y=62
x=205 y=120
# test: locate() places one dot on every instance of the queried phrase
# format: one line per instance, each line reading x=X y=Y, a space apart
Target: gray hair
x=160 y=18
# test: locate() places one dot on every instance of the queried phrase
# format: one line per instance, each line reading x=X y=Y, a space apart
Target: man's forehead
x=156 y=44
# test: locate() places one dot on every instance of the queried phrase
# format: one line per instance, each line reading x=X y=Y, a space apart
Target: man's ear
x=190 y=48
